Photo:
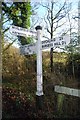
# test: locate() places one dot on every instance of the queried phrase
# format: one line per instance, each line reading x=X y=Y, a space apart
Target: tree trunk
x=51 y=59
x=51 y=51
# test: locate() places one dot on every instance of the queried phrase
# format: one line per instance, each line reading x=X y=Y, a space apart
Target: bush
x=73 y=65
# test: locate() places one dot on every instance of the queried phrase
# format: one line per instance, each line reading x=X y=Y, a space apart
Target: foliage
x=73 y=59
x=15 y=104
x=19 y=87
x=19 y=13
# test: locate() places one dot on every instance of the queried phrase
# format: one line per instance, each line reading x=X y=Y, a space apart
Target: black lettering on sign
x=23 y=29
x=54 y=39
x=14 y=32
x=63 y=42
x=47 y=45
x=56 y=43
x=29 y=50
x=60 y=38
x=46 y=41
x=59 y=43
x=19 y=28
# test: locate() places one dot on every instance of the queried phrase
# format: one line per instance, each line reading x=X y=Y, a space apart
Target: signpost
x=56 y=42
x=19 y=31
x=28 y=49
x=36 y=48
x=46 y=44
x=39 y=93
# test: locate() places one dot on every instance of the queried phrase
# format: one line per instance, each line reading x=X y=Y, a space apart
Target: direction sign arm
x=19 y=31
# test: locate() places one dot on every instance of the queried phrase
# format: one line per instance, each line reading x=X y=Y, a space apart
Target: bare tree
x=56 y=12
x=34 y=19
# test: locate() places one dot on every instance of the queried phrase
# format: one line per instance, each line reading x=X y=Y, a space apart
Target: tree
x=55 y=19
x=0 y=49
x=19 y=13
x=55 y=14
x=71 y=48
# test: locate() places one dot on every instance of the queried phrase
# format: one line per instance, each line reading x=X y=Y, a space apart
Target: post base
x=39 y=102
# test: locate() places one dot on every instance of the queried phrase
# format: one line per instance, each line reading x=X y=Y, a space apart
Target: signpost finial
x=38 y=27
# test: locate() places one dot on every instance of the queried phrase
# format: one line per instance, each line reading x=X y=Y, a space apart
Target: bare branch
x=48 y=31
x=34 y=24
x=65 y=32
x=45 y=20
x=45 y=37
x=48 y=18
x=5 y=30
x=5 y=21
x=8 y=46
x=57 y=26
x=45 y=7
x=58 y=13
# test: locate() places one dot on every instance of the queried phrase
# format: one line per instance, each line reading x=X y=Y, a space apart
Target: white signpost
x=36 y=48
x=39 y=64
x=28 y=49
x=67 y=90
x=31 y=49
x=56 y=42
x=46 y=44
x=19 y=31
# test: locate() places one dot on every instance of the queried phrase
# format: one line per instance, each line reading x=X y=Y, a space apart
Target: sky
x=41 y=12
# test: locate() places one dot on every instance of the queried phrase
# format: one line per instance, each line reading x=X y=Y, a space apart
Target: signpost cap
x=38 y=27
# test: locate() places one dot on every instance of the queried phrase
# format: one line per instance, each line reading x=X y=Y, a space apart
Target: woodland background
x=19 y=71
